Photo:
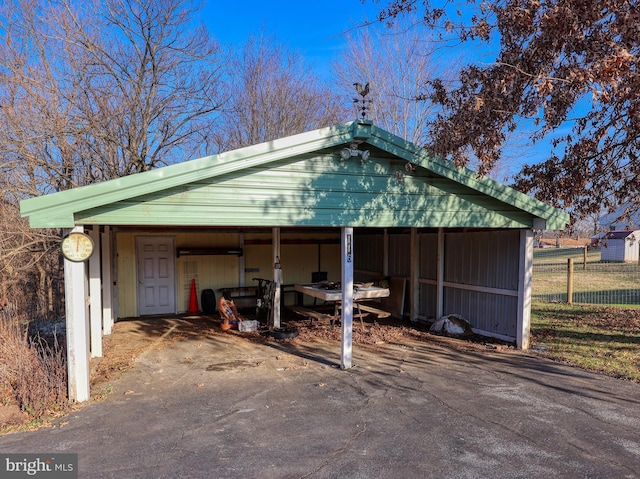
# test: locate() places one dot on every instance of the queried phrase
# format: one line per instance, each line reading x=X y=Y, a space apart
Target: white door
x=156 y=275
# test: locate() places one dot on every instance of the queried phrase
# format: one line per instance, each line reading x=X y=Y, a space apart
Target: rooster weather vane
x=362 y=103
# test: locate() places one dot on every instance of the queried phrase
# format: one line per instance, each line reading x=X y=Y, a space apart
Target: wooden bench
x=320 y=316
x=311 y=314
x=378 y=312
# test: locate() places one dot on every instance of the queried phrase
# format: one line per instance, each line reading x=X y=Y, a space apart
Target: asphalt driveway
x=224 y=407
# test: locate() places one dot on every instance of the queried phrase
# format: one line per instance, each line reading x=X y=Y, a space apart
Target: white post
x=277 y=277
x=414 y=276
x=75 y=290
x=346 y=350
x=524 y=289
x=440 y=275
x=95 y=295
x=107 y=288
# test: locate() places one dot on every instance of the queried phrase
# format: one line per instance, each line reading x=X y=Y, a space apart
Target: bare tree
x=103 y=90
x=273 y=94
x=397 y=62
x=91 y=91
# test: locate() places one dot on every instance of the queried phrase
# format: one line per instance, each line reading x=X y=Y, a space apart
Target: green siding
x=315 y=192
x=301 y=181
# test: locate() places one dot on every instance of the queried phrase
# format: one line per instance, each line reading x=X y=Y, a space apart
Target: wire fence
x=591 y=281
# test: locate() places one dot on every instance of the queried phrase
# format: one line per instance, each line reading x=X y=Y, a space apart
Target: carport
x=374 y=204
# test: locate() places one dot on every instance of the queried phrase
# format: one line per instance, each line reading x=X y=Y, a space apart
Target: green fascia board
x=57 y=210
x=555 y=219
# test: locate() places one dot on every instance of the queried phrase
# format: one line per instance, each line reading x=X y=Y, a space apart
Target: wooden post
x=584 y=256
x=107 y=282
x=277 y=277
x=95 y=295
x=570 y=281
x=440 y=275
x=346 y=350
x=75 y=287
x=524 y=289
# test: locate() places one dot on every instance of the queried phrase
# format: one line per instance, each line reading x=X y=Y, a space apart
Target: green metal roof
x=301 y=180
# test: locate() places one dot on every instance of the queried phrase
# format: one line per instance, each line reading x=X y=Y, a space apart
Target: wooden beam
x=524 y=289
x=95 y=296
x=440 y=275
x=107 y=287
x=75 y=288
x=277 y=277
x=347 y=253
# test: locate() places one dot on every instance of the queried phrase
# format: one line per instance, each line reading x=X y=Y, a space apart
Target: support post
x=524 y=289
x=75 y=288
x=107 y=287
x=346 y=350
x=95 y=295
x=277 y=277
x=440 y=275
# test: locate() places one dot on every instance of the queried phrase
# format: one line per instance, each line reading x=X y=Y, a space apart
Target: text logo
x=49 y=466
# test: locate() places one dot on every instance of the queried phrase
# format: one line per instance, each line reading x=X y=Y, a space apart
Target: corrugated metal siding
x=369 y=254
x=488 y=312
x=487 y=259
x=429 y=256
x=428 y=300
x=483 y=258
x=399 y=255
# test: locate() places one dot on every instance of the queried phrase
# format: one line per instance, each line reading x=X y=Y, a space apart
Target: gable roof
x=621 y=234
x=302 y=180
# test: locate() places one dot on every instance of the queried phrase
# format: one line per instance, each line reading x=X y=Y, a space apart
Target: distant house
x=621 y=246
x=626 y=217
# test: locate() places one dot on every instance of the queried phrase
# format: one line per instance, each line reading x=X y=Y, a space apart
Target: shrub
x=33 y=368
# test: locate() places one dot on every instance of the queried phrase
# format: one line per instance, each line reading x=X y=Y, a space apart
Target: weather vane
x=362 y=104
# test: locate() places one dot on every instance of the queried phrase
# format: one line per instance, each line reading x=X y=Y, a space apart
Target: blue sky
x=316 y=29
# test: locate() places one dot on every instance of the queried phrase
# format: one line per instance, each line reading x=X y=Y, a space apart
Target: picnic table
x=360 y=295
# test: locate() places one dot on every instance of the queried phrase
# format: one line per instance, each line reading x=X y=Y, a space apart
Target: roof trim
x=420 y=157
x=62 y=205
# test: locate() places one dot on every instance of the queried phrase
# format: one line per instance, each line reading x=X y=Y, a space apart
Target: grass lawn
x=599 y=338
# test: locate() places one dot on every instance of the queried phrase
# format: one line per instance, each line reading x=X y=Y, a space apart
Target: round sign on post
x=77 y=247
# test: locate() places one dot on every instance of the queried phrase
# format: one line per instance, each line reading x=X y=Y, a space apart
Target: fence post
x=584 y=255
x=570 y=281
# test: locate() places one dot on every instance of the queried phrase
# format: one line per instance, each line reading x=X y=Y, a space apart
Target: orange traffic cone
x=193 y=299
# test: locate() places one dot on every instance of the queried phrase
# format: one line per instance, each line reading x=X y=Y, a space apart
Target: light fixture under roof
x=352 y=151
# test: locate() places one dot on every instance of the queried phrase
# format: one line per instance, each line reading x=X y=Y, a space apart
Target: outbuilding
x=620 y=246
x=352 y=201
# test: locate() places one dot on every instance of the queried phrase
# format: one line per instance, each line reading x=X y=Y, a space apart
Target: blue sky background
x=317 y=30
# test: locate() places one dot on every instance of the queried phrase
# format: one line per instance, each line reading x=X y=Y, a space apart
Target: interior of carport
x=461 y=243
